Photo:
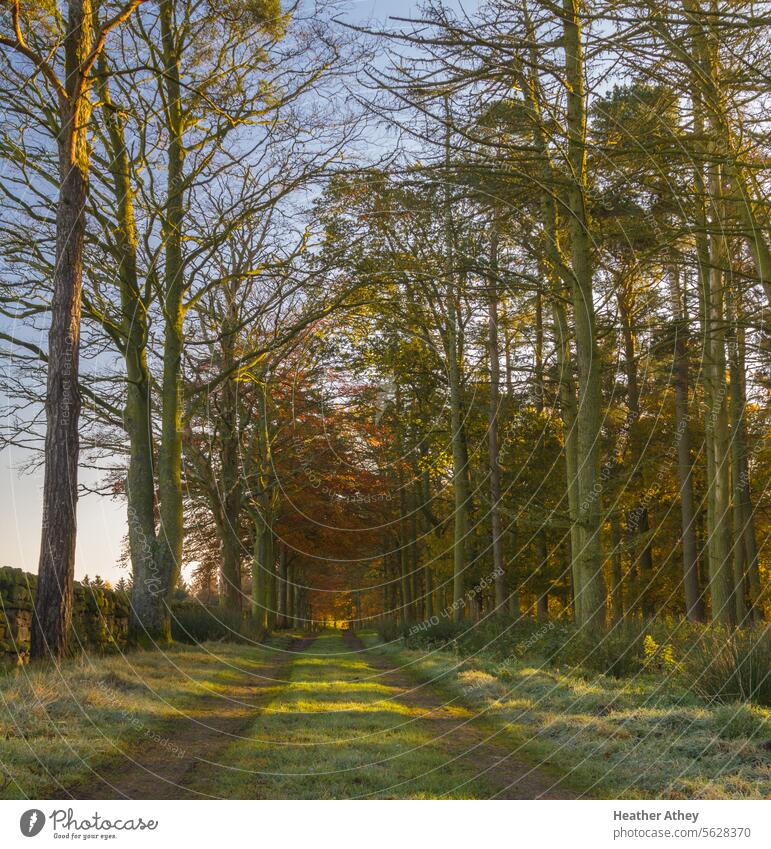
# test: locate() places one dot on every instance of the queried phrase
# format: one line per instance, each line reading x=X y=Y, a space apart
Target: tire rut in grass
x=465 y=736
x=171 y=755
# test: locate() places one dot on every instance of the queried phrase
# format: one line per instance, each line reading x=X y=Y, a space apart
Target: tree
x=67 y=70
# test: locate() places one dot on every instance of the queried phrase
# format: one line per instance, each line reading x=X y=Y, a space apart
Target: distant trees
x=625 y=198
x=518 y=364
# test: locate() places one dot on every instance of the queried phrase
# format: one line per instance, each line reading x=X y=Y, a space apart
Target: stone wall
x=99 y=620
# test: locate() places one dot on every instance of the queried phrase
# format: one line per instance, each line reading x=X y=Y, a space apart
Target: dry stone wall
x=99 y=621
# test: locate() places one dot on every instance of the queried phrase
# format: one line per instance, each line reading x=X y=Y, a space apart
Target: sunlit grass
x=54 y=724
x=340 y=727
x=330 y=735
x=639 y=737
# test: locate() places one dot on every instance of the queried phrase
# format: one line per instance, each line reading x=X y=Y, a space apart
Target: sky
x=101 y=520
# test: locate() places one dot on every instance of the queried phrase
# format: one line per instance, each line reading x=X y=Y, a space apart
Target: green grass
x=54 y=723
x=336 y=732
x=637 y=737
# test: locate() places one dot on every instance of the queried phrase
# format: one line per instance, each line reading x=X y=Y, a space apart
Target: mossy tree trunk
x=151 y=597
x=694 y=603
x=591 y=585
x=137 y=416
x=56 y=567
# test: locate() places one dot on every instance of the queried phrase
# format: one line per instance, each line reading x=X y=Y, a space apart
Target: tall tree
x=83 y=41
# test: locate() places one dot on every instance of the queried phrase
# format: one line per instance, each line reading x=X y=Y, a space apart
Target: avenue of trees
x=466 y=316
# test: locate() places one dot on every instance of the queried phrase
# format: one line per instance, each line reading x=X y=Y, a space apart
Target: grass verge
x=638 y=737
x=58 y=723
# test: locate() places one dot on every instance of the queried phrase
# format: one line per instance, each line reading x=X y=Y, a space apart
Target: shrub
x=195 y=623
x=712 y=663
x=618 y=651
x=503 y=639
x=496 y=637
x=729 y=666
x=388 y=630
x=438 y=634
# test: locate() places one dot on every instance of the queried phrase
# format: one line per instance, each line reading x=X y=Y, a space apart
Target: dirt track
x=178 y=755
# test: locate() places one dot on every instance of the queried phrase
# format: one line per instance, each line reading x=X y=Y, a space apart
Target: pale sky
x=101 y=524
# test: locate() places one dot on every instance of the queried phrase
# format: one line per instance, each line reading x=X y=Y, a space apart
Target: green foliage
x=265 y=15
x=441 y=634
x=617 y=652
x=714 y=665
x=729 y=666
x=194 y=623
x=624 y=649
x=388 y=630
x=658 y=657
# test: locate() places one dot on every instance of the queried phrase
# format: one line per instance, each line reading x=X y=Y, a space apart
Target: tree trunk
x=746 y=573
x=289 y=594
x=561 y=277
x=492 y=428
x=694 y=604
x=56 y=567
x=712 y=258
x=569 y=415
x=230 y=487
x=707 y=73
x=230 y=567
x=722 y=589
x=638 y=523
x=153 y=596
x=137 y=415
x=460 y=488
x=428 y=582
x=514 y=593
x=299 y=613
x=269 y=572
x=406 y=583
x=282 y=587
x=259 y=558
x=542 y=543
x=356 y=625
x=591 y=586
x=617 y=588
x=416 y=573
x=454 y=353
